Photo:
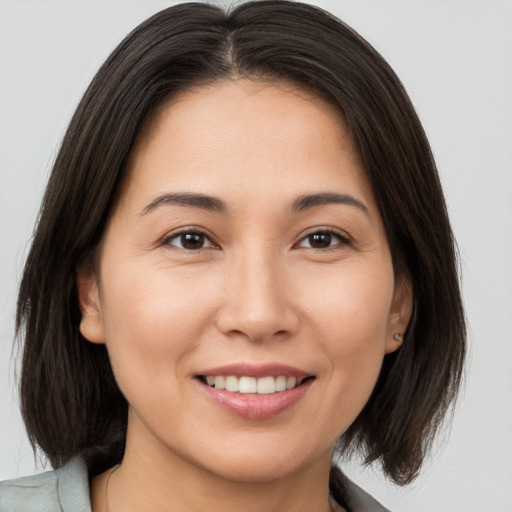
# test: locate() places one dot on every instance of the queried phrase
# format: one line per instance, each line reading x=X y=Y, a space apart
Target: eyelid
x=167 y=238
x=341 y=235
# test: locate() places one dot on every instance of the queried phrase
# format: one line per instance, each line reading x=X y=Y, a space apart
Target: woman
x=243 y=262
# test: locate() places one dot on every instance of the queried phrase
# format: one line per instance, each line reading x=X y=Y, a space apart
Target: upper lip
x=257 y=371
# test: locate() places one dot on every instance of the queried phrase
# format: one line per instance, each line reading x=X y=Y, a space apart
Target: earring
x=397 y=336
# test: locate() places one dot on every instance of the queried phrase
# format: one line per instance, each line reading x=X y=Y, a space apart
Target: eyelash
x=343 y=239
x=168 y=240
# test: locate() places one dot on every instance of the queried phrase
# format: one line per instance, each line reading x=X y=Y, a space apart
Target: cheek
x=153 y=322
x=350 y=327
x=353 y=304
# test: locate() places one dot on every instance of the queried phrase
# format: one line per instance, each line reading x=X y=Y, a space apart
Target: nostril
x=250 y=312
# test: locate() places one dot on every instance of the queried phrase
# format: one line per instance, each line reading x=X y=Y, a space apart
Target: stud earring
x=397 y=336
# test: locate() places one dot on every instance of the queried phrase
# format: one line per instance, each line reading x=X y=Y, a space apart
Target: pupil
x=320 y=240
x=192 y=240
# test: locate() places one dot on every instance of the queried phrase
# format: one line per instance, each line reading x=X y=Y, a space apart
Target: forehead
x=212 y=101
x=240 y=137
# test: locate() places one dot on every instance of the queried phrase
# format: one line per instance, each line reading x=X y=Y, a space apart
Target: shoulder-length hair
x=70 y=401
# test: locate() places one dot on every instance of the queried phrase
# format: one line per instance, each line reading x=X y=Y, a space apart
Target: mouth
x=255 y=392
x=246 y=384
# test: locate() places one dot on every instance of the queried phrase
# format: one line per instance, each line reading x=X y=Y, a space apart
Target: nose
x=258 y=303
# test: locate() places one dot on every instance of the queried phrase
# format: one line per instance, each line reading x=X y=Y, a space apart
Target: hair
x=70 y=401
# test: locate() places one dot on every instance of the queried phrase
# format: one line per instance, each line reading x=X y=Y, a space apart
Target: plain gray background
x=455 y=59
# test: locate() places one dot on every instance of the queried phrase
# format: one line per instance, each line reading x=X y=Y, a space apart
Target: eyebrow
x=324 y=198
x=205 y=202
x=187 y=199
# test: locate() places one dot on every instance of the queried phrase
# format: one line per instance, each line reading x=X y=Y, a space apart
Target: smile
x=255 y=392
x=245 y=384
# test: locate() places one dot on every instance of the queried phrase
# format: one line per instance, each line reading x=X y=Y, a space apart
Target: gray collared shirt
x=67 y=490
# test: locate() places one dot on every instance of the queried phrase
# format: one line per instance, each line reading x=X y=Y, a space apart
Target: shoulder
x=358 y=499
x=63 y=490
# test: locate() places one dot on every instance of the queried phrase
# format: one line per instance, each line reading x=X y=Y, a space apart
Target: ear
x=91 y=324
x=400 y=314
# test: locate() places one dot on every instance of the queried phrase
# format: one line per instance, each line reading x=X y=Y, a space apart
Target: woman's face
x=246 y=247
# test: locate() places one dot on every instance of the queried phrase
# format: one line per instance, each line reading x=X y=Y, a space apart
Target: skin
x=258 y=290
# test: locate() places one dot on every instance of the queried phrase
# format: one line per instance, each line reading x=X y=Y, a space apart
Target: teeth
x=291 y=382
x=247 y=384
x=261 y=386
x=281 y=384
x=219 y=382
x=266 y=385
x=231 y=384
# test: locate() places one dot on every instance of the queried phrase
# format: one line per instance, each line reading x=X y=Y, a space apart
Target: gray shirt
x=67 y=490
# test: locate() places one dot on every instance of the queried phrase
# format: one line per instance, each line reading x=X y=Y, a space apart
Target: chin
x=266 y=464
x=253 y=471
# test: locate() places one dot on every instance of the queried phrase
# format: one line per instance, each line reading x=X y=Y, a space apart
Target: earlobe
x=91 y=323
x=399 y=315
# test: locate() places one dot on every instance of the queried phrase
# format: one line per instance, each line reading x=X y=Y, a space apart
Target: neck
x=149 y=480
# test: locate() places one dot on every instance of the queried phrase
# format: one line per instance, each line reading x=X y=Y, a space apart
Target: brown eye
x=190 y=241
x=320 y=240
x=323 y=240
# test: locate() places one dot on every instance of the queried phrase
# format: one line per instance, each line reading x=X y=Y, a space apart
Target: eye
x=189 y=240
x=324 y=239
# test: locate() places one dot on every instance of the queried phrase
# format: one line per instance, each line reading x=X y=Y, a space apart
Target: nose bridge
x=256 y=300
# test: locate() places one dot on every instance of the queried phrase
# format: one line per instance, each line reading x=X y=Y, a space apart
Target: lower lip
x=253 y=406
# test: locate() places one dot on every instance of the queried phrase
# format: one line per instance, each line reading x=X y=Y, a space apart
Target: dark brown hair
x=70 y=401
